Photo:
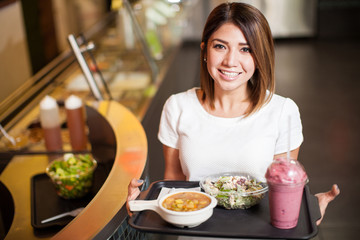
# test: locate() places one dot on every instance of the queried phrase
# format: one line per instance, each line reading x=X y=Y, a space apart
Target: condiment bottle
x=75 y=113
x=50 y=123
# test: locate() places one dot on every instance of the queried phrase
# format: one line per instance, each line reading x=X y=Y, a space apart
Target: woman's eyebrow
x=225 y=42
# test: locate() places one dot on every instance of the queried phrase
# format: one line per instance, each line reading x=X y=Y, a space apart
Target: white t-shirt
x=208 y=144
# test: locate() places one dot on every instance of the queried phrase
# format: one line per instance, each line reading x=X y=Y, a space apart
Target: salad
x=72 y=175
x=234 y=191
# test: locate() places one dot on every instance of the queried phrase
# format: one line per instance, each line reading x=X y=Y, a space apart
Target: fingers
x=133 y=192
x=325 y=199
x=334 y=192
x=135 y=183
x=133 y=188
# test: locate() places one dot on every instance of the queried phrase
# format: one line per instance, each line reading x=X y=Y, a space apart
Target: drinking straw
x=289 y=136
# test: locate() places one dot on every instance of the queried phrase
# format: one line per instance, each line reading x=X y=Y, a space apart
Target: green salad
x=234 y=192
x=72 y=175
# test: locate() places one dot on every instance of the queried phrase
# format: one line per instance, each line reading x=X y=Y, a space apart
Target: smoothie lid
x=286 y=171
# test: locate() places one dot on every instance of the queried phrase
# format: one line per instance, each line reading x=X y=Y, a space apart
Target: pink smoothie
x=286 y=180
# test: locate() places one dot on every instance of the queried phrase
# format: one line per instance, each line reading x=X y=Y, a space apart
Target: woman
x=234 y=121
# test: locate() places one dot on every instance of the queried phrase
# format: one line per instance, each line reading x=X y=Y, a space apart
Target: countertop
x=129 y=162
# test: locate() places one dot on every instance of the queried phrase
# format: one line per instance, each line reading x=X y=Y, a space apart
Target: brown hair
x=257 y=32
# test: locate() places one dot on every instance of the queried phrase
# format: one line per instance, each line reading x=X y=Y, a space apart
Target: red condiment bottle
x=76 y=123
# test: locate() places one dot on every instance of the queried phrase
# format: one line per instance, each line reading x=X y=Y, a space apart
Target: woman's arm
x=173 y=170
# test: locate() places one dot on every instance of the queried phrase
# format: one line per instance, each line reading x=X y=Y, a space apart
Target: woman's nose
x=231 y=59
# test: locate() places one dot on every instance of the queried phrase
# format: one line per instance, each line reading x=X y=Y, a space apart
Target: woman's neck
x=227 y=104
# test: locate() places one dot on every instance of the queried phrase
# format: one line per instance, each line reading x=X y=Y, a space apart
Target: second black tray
x=46 y=203
x=250 y=223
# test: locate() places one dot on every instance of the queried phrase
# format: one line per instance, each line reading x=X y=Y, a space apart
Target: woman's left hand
x=325 y=198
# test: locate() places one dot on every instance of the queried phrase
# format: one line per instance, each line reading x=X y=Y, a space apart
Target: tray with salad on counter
x=68 y=183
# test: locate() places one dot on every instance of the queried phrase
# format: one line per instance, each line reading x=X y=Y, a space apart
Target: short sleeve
x=290 y=113
x=168 y=134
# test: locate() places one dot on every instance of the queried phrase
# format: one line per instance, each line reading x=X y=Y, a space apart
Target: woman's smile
x=229 y=74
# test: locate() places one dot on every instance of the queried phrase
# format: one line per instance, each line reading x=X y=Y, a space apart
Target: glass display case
x=133 y=52
x=127 y=54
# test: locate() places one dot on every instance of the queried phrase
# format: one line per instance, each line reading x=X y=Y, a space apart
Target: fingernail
x=140 y=181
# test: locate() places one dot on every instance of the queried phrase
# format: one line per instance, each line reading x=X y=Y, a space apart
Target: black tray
x=46 y=203
x=250 y=223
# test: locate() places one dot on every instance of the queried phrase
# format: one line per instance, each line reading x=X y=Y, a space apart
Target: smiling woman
x=220 y=126
x=234 y=121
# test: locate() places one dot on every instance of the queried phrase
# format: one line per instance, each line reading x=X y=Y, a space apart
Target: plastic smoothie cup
x=286 y=180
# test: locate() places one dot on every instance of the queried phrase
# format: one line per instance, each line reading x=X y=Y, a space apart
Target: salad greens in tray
x=234 y=190
x=72 y=175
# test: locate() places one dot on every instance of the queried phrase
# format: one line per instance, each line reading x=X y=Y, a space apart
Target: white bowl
x=179 y=219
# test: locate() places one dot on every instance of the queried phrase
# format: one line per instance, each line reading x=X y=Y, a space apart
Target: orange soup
x=186 y=202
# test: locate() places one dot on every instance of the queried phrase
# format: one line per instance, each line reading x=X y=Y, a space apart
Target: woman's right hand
x=133 y=192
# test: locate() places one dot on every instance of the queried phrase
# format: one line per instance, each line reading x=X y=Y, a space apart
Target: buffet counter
x=128 y=76
x=130 y=160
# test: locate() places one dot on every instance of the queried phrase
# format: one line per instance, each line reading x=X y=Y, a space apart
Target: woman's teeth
x=229 y=74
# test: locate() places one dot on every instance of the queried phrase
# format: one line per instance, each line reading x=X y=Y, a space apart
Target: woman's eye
x=219 y=46
x=246 y=49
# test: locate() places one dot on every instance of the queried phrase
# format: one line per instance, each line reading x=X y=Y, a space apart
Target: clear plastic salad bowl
x=72 y=175
x=234 y=190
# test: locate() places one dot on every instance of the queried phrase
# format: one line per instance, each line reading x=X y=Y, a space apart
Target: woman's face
x=229 y=59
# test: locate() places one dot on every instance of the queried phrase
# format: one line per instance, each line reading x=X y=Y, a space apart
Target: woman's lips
x=230 y=74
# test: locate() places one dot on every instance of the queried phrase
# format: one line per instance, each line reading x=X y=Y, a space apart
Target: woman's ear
x=202 y=46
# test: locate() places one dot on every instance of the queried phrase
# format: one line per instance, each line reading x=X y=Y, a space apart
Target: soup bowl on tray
x=181 y=208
